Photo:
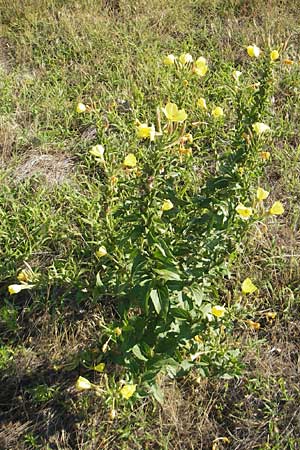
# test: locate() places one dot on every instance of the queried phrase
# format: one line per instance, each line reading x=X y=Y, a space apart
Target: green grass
x=54 y=54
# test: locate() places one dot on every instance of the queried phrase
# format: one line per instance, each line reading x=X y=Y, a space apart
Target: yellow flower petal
x=83 y=384
x=244 y=211
x=128 y=390
x=236 y=75
x=144 y=132
x=261 y=194
x=97 y=151
x=248 y=287
x=218 y=311
x=217 y=112
x=185 y=58
x=274 y=55
x=174 y=114
x=100 y=367
x=101 y=252
x=80 y=108
x=169 y=60
x=200 y=67
x=167 y=205
x=276 y=209
x=260 y=127
x=130 y=160
x=202 y=103
x=16 y=288
x=253 y=51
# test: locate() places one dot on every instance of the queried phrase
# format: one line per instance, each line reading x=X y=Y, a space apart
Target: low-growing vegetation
x=149 y=225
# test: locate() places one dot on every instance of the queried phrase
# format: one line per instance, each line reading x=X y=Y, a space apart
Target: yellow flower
x=253 y=51
x=261 y=194
x=100 y=367
x=248 y=287
x=185 y=58
x=217 y=112
x=97 y=151
x=25 y=275
x=81 y=108
x=201 y=67
x=169 y=60
x=236 y=75
x=265 y=155
x=274 y=55
x=101 y=252
x=118 y=331
x=16 y=288
x=185 y=83
x=276 y=209
x=253 y=325
x=260 y=127
x=174 y=114
x=198 y=339
x=144 y=132
x=244 y=211
x=202 y=103
x=218 y=311
x=128 y=390
x=83 y=384
x=167 y=205
x=130 y=160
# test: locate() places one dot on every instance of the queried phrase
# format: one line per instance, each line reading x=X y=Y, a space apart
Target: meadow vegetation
x=149 y=238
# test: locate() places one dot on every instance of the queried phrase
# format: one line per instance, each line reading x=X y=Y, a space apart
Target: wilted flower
x=185 y=58
x=274 y=55
x=253 y=51
x=218 y=311
x=83 y=384
x=25 y=275
x=169 y=60
x=101 y=252
x=113 y=414
x=288 y=62
x=253 y=325
x=144 y=132
x=265 y=155
x=248 y=287
x=202 y=103
x=128 y=390
x=16 y=288
x=97 y=151
x=217 y=112
x=81 y=108
x=261 y=194
x=260 y=127
x=244 y=211
x=276 y=209
x=130 y=160
x=167 y=205
x=174 y=114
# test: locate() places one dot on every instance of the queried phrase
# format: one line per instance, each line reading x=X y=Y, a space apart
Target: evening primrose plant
x=179 y=201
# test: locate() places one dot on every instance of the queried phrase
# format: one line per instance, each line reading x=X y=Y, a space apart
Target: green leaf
x=137 y=353
x=168 y=275
x=155 y=300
